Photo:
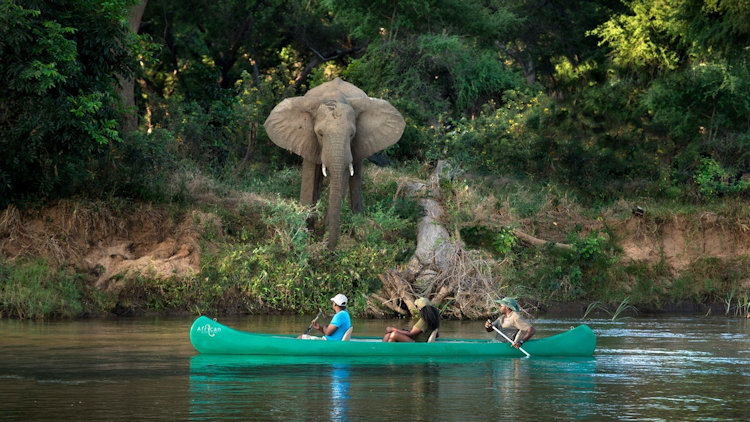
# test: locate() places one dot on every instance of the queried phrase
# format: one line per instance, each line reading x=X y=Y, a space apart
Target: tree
x=127 y=85
x=58 y=102
x=550 y=29
x=695 y=52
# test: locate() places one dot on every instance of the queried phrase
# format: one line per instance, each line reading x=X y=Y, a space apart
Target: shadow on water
x=257 y=387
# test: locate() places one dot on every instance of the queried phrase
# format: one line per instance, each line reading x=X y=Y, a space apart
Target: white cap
x=339 y=299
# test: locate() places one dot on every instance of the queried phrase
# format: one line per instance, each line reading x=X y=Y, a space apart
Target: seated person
x=339 y=324
x=510 y=319
x=429 y=321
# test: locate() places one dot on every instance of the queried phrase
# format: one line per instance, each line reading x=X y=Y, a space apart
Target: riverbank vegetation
x=137 y=176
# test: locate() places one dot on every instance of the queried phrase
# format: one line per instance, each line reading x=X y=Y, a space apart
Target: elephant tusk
x=324 y=172
x=351 y=169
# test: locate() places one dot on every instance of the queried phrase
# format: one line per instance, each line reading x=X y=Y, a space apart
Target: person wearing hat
x=510 y=318
x=429 y=321
x=340 y=322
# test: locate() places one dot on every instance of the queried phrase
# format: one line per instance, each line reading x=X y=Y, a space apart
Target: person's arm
x=488 y=325
x=415 y=330
x=411 y=333
x=523 y=338
x=327 y=330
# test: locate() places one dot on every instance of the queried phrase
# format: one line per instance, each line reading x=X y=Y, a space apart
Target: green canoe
x=211 y=337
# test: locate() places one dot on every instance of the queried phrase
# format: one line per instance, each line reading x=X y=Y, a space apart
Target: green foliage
x=33 y=290
x=496 y=141
x=285 y=182
x=713 y=180
x=58 y=104
x=500 y=242
x=601 y=136
x=222 y=127
x=571 y=275
x=692 y=79
x=138 y=168
x=743 y=305
x=715 y=27
x=429 y=75
x=255 y=100
x=198 y=296
x=209 y=45
x=275 y=262
x=704 y=110
x=278 y=277
x=710 y=279
x=645 y=39
x=706 y=99
x=388 y=21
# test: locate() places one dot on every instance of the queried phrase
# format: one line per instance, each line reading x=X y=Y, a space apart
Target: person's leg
x=395 y=336
x=309 y=337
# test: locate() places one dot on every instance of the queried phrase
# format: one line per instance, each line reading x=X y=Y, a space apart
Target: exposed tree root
x=456 y=280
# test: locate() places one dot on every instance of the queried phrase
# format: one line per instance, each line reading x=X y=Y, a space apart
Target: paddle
x=511 y=341
x=320 y=312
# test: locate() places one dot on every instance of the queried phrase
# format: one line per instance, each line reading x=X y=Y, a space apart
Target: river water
x=661 y=368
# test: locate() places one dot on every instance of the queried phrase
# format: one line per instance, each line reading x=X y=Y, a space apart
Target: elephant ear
x=291 y=126
x=379 y=125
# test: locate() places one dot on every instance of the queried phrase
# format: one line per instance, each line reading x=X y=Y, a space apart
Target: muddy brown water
x=659 y=368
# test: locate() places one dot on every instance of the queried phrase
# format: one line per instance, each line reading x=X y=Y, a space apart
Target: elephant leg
x=312 y=178
x=355 y=188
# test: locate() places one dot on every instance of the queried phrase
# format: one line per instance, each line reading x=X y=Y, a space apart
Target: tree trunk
x=127 y=85
x=250 y=142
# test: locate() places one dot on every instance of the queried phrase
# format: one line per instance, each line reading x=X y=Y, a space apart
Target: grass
x=33 y=290
x=743 y=305
x=740 y=304
x=624 y=306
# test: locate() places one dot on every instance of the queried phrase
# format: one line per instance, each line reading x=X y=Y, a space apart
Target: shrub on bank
x=33 y=290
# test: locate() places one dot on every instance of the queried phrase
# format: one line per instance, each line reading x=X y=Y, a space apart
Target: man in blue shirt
x=340 y=322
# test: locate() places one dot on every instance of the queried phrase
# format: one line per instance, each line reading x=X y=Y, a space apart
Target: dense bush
x=58 y=101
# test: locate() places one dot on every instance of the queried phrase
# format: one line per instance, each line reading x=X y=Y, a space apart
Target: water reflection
x=366 y=388
x=339 y=392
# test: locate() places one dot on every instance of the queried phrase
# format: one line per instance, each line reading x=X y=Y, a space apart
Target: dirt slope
x=681 y=241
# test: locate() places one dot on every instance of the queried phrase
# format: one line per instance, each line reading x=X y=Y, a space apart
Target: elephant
x=334 y=127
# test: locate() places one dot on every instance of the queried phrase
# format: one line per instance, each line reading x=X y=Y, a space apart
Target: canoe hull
x=211 y=337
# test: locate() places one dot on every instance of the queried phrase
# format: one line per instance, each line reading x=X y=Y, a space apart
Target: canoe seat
x=347 y=334
x=432 y=336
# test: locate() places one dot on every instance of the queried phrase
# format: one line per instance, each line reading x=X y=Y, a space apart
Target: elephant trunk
x=339 y=175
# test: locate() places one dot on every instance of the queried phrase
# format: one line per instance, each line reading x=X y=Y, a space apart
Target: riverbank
x=226 y=249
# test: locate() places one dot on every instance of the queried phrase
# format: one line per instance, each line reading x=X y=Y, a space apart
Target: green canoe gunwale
x=211 y=337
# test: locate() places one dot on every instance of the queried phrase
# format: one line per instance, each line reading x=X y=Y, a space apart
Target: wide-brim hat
x=421 y=303
x=509 y=302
